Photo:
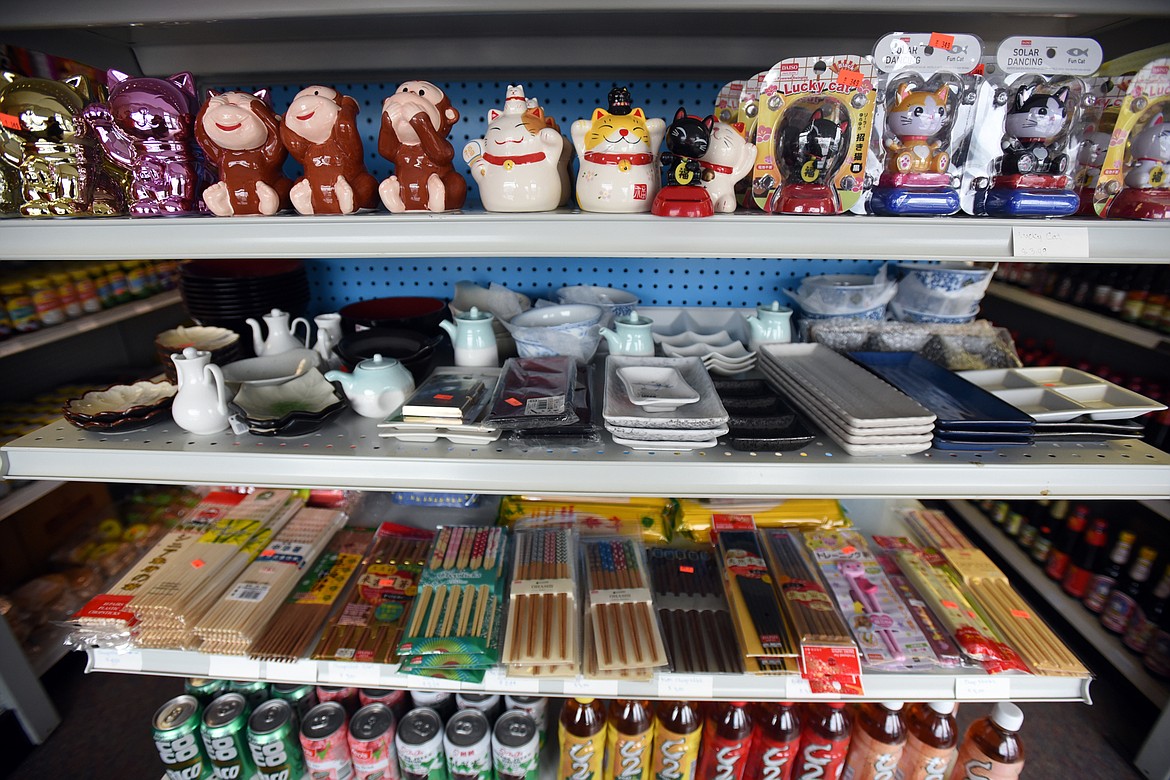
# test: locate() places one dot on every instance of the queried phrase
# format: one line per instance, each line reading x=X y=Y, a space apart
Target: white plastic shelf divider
x=573 y=234
x=347 y=453
x=101 y=319
x=1083 y=622
x=961 y=686
x=1141 y=337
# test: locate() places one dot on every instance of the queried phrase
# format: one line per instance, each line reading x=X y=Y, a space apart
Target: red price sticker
x=848 y=549
x=197 y=564
x=687 y=569
x=513 y=402
x=443 y=397
x=950 y=605
x=941 y=41
x=1019 y=613
x=385 y=583
x=10 y=121
x=850 y=78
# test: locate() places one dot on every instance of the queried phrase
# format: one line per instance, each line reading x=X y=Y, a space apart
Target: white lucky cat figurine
x=618 y=154
x=517 y=162
x=730 y=158
x=1150 y=156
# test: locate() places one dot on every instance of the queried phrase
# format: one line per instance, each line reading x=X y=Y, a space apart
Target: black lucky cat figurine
x=687 y=138
x=810 y=152
x=1034 y=121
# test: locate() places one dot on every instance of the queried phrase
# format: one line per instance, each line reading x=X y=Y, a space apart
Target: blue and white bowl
x=877 y=314
x=612 y=302
x=910 y=315
x=564 y=329
x=946 y=278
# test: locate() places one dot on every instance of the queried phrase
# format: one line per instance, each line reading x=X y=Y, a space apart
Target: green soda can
x=274 y=743
x=419 y=742
x=254 y=691
x=225 y=736
x=302 y=697
x=204 y=689
x=176 y=736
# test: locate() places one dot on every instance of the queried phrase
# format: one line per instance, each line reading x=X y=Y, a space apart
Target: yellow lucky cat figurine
x=618 y=152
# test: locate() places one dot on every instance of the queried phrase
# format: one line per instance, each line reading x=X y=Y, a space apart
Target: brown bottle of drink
x=678 y=728
x=628 y=742
x=932 y=737
x=824 y=741
x=727 y=740
x=879 y=737
x=991 y=748
x=775 y=741
x=582 y=737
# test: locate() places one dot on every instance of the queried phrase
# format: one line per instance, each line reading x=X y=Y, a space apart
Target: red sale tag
x=385 y=583
x=1019 y=613
x=197 y=564
x=950 y=605
x=443 y=397
x=848 y=549
x=687 y=569
x=10 y=121
x=513 y=402
x=941 y=41
x=850 y=78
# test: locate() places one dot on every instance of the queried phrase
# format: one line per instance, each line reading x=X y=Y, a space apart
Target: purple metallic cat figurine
x=147 y=127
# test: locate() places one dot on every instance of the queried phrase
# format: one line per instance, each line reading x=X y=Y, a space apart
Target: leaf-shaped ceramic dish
x=309 y=393
x=118 y=401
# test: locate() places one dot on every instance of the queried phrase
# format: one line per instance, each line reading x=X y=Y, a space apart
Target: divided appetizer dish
x=1057 y=394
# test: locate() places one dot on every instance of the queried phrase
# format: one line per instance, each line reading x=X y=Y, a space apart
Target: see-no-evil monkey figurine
x=240 y=134
x=416 y=121
x=320 y=132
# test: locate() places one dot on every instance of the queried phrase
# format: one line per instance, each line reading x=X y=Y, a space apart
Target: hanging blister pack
x=1135 y=176
x=1027 y=120
x=922 y=120
x=1097 y=123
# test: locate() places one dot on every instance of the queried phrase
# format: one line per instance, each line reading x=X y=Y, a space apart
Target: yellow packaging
x=580 y=756
x=651 y=518
x=675 y=755
x=695 y=516
x=628 y=755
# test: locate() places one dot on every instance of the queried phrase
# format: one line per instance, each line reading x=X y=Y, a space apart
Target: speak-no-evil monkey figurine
x=240 y=135
x=320 y=132
x=146 y=127
x=416 y=121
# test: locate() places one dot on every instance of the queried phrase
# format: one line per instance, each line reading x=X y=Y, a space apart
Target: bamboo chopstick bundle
x=370 y=624
x=626 y=628
x=235 y=621
x=542 y=616
x=291 y=631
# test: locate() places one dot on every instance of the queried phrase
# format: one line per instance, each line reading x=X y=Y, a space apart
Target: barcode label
x=248 y=591
x=548 y=405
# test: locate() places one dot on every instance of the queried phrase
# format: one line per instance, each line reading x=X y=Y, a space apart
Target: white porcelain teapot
x=281 y=337
x=200 y=404
x=770 y=325
x=377 y=387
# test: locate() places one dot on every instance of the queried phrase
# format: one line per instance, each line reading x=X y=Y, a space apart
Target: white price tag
x=436 y=683
x=109 y=659
x=351 y=674
x=989 y=687
x=686 y=686
x=1050 y=241
x=595 y=688
x=498 y=680
x=798 y=687
x=302 y=671
x=231 y=667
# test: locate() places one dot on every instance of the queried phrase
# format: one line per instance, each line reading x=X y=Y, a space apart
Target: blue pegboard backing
x=566 y=101
x=738 y=282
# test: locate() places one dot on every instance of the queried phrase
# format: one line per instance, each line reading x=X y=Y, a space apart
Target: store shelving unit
x=87 y=323
x=25 y=496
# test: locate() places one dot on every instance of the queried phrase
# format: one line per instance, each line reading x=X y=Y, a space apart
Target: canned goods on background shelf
x=490 y=704
x=255 y=691
x=225 y=737
x=324 y=741
x=467 y=743
x=535 y=706
x=302 y=697
x=87 y=292
x=45 y=300
x=371 y=743
x=419 y=742
x=204 y=689
x=19 y=304
x=176 y=736
x=516 y=747
x=273 y=741
x=442 y=702
x=346 y=697
x=67 y=294
x=397 y=701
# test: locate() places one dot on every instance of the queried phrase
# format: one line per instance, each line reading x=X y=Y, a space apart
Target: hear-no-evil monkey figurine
x=320 y=132
x=416 y=120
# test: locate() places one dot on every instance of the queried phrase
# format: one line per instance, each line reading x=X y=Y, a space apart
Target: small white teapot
x=281 y=337
x=770 y=325
x=377 y=387
x=474 y=339
x=632 y=336
x=200 y=404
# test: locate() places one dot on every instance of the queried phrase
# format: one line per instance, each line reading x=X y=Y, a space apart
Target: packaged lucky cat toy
x=1027 y=116
x=239 y=134
x=618 y=152
x=416 y=121
x=684 y=195
x=1097 y=123
x=55 y=166
x=813 y=134
x=921 y=123
x=517 y=164
x=147 y=127
x=1135 y=177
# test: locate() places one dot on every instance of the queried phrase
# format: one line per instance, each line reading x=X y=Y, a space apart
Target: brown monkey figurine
x=416 y=120
x=320 y=132
x=240 y=134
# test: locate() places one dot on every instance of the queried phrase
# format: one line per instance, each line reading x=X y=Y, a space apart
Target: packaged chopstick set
x=543 y=618
x=885 y=631
x=297 y=623
x=765 y=638
x=456 y=619
x=652 y=518
x=626 y=635
x=696 y=516
x=945 y=649
x=828 y=656
x=245 y=608
x=995 y=599
x=696 y=623
x=369 y=625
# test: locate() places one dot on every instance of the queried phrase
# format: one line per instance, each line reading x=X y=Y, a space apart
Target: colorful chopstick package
x=696 y=623
x=828 y=656
x=369 y=625
x=945 y=649
x=697 y=516
x=543 y=617
x=884 y=629
x=455 y=622
x=760 y=626
x=626 y=634
x=653 y=518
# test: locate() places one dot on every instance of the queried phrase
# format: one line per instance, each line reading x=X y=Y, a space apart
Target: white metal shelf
x=348 y=453
x=1082 y=621
x=101 y=319
x=1108 y=326
x=572 y=234
x=965 y=685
